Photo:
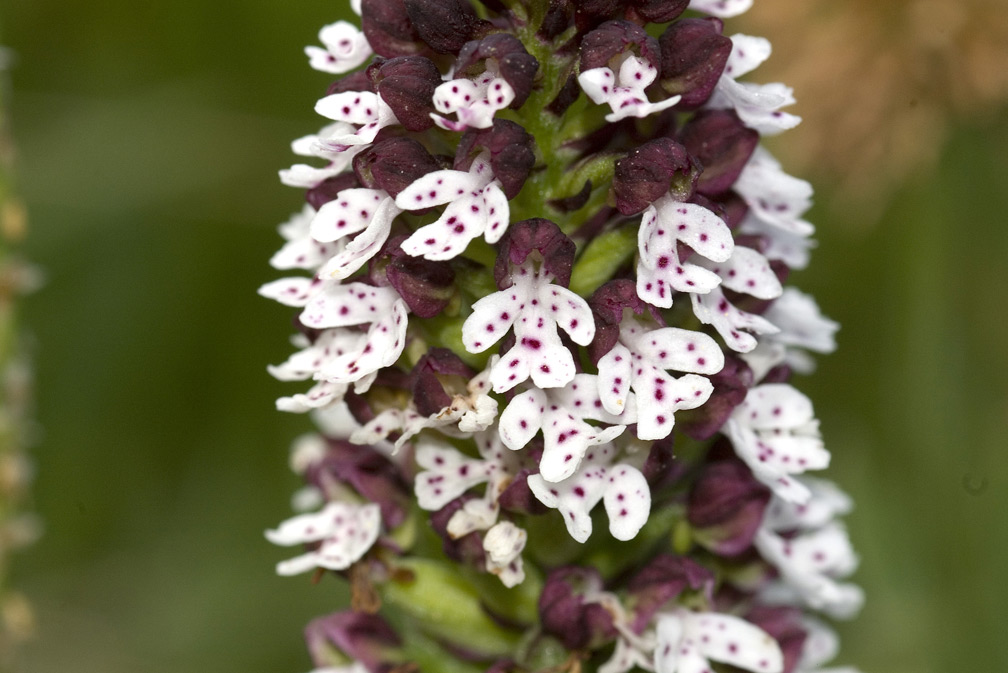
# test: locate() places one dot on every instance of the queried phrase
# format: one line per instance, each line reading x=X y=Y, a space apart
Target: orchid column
x=542 y=267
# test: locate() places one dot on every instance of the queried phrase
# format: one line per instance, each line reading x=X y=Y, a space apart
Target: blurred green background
x=149 y=138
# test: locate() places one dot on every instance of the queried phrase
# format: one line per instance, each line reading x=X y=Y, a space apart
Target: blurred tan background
x=149 y=137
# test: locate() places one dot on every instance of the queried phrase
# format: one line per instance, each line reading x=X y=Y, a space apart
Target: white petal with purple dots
x=687 y=641
x=733 y=324
x=664 y=225
x=345 y=49
x=345 y=530
x=624 y=92
x=775 y=433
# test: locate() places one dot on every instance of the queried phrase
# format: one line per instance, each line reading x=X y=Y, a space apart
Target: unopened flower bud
x=693 y=55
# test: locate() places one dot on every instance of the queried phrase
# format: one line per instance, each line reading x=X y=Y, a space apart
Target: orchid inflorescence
x=518 y=303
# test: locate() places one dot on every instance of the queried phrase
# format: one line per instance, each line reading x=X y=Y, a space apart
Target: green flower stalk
x=542 y=305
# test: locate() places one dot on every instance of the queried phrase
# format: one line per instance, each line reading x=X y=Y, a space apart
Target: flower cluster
x=542 y=268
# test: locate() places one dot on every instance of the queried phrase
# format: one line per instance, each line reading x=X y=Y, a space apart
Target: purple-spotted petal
x=345 y=49
x=748 y=52
x=522 y=418
x=747 y=272
x=446 y=475
x=491 y=318
x=346 y=531
x=659 y=396
x=290 y=291
x=351 y=211
x=614 y=379
x=699 y=228
x=498 y=212
x=730 y=322
x=733 y=641
x=627 y=501
x=439 y=187
x=365 y=245
x=450 y=234
x=341 y=305
x=679 y=349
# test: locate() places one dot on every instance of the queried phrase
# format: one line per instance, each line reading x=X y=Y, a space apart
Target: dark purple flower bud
x=512 y=153
x=540 y=235
x=607 y=304
x=659 y=11
x=557 y=20
x=393 y=164
x=357 y=81
x=425 y=285
x=445 y=25
x=369 y=472
x=365 y=637
x=661 y=469
x=612 y=38
x=589 y=13
x=567 y=611
x=429 y=393
x=568 y=94
x=730 y=387
x=722 y=144
x=388 y=29
x=518 y=497
x=693 y=55
x=785 y=626
x=467 y=549
x=662 y=580
x=406 y=84
x=651 y=171
x=726 y=504
x=515 y=64
x=326 y=191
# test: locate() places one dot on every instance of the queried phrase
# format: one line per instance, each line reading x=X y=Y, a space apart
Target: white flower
x=775 y=432
x=687 y=641
x=474 y=411
x=622 y=489
x=503 y=545
x=342 y=355
x=723 y=9
x=447 y=474
x=301 y=251
x=367 y=211
x=745 y=272
x=474 y=102
x=476 y=205
x=775 y=199
x=366 y=111
x=665 y=224
x=535 y=307
x=345 y=49
x=624 y=91
x=560 y=413
x=802 y=328
x=757 y=105
x=346 y=532
x=811 y=551
x=321 y=145
x=638 y=361
x=714 y=309
x=821 y=645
